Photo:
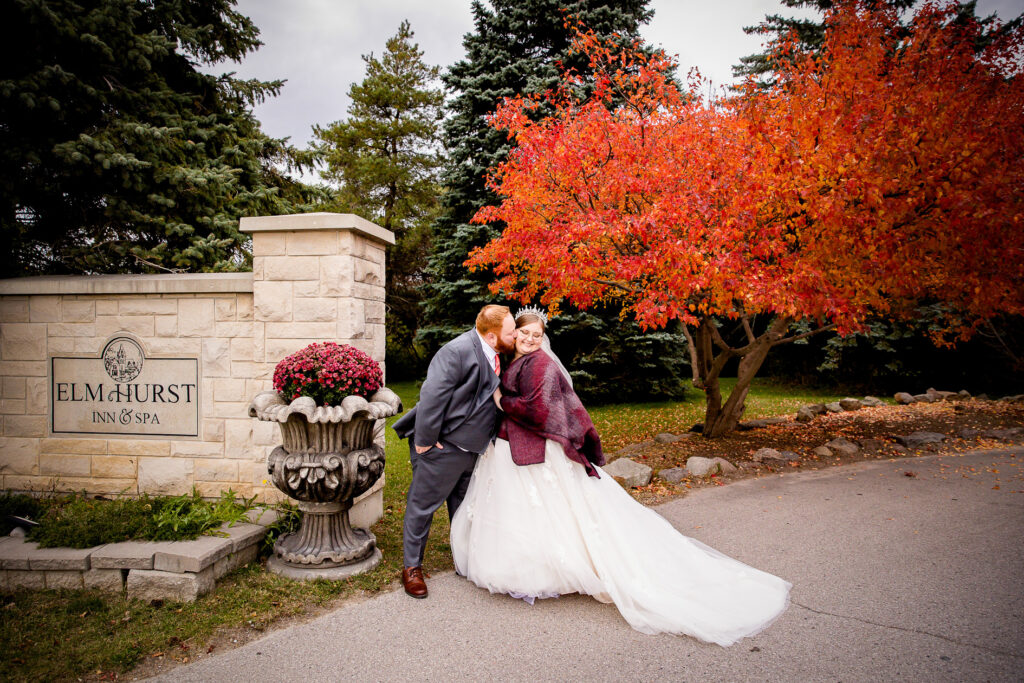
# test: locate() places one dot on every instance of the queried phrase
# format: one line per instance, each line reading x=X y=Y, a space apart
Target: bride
x=541 y=519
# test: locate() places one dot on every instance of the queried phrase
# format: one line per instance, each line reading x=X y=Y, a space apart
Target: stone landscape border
x=178 y=571
x=630 y=473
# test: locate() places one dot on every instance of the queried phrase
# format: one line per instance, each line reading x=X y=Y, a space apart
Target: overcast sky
x=316 y=45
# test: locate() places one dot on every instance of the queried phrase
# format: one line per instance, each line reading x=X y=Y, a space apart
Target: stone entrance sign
x=122 y=393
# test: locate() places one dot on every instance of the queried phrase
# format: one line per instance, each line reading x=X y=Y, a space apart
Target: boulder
x=982 y=397
x=725 y=466
x=817 y=408
x=1001 y=434
x=964 y=394
x=763 y=454
x=699 y=466
x=918 y=439
x=850 y=404
x=872 y=445
x=634 y=448
x=789 y=455
x=898 y=449
x=843 y=446
x=666 y=438
x=834 y=407
x=630 y=472
x=968 y=433
x=763 y=422
x=805 y=414
x=822 y=452
x=673 y=474
x=903 y=398
x=924 y=398
x=872 y=402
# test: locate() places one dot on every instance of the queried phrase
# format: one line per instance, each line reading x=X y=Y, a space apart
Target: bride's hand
x=497 y=397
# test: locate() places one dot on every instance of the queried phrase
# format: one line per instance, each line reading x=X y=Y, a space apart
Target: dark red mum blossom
x=327 y=372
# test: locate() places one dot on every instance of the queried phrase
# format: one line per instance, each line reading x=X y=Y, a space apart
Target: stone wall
x=316 y=277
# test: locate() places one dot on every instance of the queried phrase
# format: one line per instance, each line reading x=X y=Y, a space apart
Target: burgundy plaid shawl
x=539 y=404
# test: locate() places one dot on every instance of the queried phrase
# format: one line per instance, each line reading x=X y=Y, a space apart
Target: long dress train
x=548 y=529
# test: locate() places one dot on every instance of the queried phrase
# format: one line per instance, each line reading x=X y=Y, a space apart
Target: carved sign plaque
x=124 y=393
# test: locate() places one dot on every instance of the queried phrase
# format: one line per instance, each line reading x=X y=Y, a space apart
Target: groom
x=451 y=425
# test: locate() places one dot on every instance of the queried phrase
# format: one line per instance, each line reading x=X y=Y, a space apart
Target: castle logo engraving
x=124 y=393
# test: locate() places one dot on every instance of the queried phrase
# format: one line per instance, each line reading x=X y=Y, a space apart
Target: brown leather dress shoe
x=412 y=579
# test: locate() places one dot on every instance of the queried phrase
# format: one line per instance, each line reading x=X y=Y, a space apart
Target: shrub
x=19 y=505
x=327 y=372
x=79 y=522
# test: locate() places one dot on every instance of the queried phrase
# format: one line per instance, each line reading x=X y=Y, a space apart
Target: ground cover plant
x=103 y=637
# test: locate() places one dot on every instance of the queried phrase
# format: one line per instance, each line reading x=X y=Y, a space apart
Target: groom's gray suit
x=456 y=410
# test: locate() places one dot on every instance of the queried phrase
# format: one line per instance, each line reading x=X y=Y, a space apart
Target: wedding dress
x=548 y=529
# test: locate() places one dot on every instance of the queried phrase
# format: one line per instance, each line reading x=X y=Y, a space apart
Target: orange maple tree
x=883 y=172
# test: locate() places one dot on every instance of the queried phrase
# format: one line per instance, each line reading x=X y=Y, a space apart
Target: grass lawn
x=71 y=634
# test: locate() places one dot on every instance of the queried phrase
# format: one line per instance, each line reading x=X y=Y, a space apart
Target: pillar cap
x=317 y=221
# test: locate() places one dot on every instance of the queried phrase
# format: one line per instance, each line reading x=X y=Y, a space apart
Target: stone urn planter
x=328 y=458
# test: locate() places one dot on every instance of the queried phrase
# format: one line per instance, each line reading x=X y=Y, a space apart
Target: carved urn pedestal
x=329 y=458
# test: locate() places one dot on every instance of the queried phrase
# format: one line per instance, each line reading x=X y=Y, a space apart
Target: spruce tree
x=520 y=47
x=116 y=153
x=384 y=159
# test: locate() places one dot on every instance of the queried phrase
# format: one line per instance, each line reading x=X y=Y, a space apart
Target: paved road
x=895 y=578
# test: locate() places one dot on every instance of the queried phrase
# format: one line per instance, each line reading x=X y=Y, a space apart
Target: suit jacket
x=455 y=403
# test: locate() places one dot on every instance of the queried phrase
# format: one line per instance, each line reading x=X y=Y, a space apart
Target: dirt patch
x=881 y=424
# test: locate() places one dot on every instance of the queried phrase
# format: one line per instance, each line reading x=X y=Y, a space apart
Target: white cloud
x=317 y=45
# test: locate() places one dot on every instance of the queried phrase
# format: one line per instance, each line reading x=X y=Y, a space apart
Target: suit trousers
x=441 y=475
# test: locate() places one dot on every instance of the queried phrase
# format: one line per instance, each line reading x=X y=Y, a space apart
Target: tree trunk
x=721 y=419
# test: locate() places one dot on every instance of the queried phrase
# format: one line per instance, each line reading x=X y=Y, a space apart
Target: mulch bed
x=883 y=423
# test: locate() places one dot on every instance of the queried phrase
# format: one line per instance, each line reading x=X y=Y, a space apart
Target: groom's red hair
x=490 y=318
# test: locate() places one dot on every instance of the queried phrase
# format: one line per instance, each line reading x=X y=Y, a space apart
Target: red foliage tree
x=884 y=172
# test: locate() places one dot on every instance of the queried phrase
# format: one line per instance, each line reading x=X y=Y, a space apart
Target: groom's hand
x=424 y=449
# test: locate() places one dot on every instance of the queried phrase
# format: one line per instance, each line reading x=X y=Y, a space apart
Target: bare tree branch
x=824 y=328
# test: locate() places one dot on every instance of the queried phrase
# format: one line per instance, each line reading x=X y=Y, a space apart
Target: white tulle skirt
x=548 y=529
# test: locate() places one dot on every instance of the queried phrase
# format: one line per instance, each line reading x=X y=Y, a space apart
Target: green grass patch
x=64 y=635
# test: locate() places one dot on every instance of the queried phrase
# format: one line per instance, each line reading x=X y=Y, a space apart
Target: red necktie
x=497 y=366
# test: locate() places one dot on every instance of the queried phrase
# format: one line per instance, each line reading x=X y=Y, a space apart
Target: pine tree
x=116 y=153
x=385 y=160
x=520 y=47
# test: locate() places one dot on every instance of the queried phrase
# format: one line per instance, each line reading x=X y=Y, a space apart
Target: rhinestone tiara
x=539 y=312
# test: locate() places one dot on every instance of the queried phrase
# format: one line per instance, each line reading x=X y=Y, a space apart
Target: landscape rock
x=817 y=408
x=903 y=398
x=763 y=454
x=872 y=402
x=1001 y=434
x=918 y=439
x=822 y=452
x=666 y=438
x=789 y=455
x=968 y=433
x=871 y=445
x=699 y=466
x=964 y=394
x=805 y=414
x=725 y=466
x=843 y=446
x=635 y=448
x=834 y=407
x=764 y=422
x=924 y=398
x=981 y=397
x=850 y=404
x=898 y=449
x=630 y=472
x=673 y=474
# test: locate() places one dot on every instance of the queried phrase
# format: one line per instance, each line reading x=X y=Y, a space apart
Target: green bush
x=80 y=522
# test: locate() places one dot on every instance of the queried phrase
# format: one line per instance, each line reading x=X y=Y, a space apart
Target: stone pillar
x=318 y=277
